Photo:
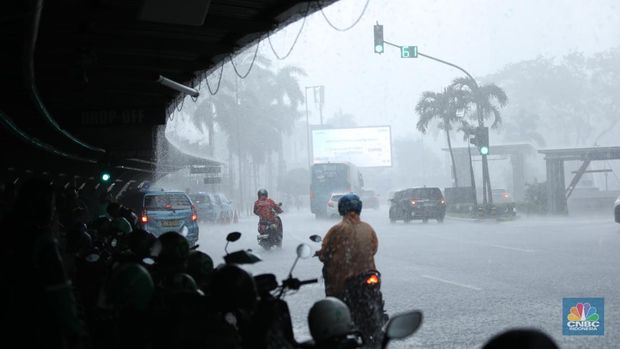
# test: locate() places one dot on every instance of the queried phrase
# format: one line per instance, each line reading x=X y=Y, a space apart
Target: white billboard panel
x=362 y=146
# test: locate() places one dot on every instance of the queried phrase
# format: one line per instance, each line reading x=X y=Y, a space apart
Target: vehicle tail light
x=194 y=214
x=505 y=195
x=372 y=279
x=144 y=218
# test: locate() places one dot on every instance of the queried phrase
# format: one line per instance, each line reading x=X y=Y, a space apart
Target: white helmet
x=329 y=318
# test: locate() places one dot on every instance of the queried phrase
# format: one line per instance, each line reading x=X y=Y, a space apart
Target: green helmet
x=129 y=286
x=120 y=224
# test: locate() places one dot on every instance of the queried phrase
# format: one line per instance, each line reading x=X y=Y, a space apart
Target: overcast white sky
x=482 y=36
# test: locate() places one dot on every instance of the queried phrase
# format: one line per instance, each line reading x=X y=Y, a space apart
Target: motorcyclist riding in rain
x=269 y=223
x=349 y=269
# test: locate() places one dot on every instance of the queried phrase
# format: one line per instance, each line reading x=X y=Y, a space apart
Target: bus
x=328 y=178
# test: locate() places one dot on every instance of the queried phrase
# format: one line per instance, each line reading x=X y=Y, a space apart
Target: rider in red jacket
x=267 y=210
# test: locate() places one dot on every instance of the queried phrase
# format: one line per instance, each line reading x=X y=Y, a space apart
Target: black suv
x=418 y=203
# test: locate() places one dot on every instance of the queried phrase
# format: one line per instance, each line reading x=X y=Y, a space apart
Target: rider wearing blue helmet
x=348 y=248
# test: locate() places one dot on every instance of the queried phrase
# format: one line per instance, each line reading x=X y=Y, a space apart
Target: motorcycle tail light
x=372 y=280
x=144 y=218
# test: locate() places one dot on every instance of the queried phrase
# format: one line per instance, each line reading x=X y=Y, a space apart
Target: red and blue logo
x=583 y=316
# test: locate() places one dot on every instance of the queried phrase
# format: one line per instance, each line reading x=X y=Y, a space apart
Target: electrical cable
x=294 y=41
x=7 y=122
x=219 y=80
x=349 y=27
x=180 y=104
x=232 y=62
x=30 y=81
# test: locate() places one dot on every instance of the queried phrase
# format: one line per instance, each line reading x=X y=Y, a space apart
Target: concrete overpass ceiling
x=96 y=65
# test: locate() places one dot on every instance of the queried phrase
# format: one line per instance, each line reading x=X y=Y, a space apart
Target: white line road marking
x=452 y=283
x=518 y=249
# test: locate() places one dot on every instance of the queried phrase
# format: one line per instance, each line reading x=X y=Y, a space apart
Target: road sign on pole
x=408 y=52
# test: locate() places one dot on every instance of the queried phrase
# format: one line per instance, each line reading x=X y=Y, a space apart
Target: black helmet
x=199 y=265
x=349 y=203
x=140 y=242
x=262 y=192
x=174 y=249
x=129 y=285
x=234 y=288
x=180 y=283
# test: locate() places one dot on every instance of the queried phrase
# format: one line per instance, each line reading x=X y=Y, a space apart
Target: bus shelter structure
x=557 y=191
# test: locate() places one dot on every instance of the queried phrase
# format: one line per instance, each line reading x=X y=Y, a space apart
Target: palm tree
x=254 y=112
x=204 y=117
x=486 y=99
x=443 y=106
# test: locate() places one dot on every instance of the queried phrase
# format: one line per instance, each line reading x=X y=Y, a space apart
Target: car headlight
x=184 y=231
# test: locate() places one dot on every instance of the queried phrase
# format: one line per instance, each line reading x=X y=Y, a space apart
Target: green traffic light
x=379 y=49
x=105 y=177
x=484 y=150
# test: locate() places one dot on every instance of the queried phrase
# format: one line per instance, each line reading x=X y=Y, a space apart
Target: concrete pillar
x=556 y=187
x=461 y=158
x=518 y=176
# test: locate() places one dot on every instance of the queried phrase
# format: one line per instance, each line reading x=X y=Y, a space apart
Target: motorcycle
x=363 y=297
x=273 y=325
x=365 y=301
x=270 y=233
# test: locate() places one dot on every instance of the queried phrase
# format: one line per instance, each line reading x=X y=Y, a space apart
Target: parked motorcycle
x=273 y=326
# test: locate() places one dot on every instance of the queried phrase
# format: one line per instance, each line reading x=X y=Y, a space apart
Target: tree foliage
x=574 y=96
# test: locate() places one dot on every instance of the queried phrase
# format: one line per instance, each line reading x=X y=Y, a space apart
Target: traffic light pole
x=486 y=186
x=487 y=197
x=471 y=174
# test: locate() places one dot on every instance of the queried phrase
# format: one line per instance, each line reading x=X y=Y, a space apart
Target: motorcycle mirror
x=316 y=238
x=234 y=236
x=242 y=257
x=231 y=237
x=304 y=251
x=148 y=261
x=403 y=325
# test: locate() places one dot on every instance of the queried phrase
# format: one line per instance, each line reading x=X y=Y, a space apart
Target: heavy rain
x=455 y=163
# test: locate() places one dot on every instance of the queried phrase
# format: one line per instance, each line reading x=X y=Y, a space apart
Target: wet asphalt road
x=472 y=279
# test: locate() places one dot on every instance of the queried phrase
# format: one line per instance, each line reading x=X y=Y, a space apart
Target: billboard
x=362 y=146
